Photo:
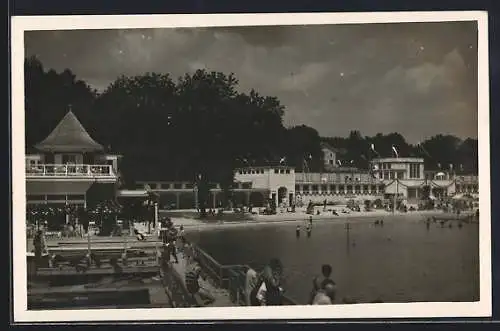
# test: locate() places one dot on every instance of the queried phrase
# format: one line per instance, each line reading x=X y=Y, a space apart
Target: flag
x=310 y=156
x=372 y=147
x=340 y=163
x=395 y=150
x=451 y=166
x=282 y=160
x=461 y=167
x=439 y=165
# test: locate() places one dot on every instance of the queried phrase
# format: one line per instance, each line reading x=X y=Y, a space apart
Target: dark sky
x=419 y=79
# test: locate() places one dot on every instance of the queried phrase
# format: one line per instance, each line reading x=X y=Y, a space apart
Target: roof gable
x=69 y=136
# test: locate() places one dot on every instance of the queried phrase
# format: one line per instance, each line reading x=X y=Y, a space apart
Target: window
x=388 y=166
x=189 y=185
x=165 y=186
x=68 y=158
x=324 y=188
x=332 y=188
x=331 y=162
x=414 y=170
x=412 y=193
x=297 y=188
x=287 y=171
x=276 y=171
x=177 y=186
x=315 y=188
x=400 y=175
x=386 y=175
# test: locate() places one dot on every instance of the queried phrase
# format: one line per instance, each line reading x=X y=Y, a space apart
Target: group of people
x=265 y=288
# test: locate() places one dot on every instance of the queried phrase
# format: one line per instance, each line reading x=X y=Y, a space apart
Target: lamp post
x=395 y=196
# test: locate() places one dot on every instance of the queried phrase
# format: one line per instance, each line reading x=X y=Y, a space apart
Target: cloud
x=307 y=76
x=389 y=82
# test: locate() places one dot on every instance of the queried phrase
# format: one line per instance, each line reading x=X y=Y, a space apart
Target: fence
x=230 y=277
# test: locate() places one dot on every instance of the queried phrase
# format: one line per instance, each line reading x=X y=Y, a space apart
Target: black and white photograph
x=197 y=167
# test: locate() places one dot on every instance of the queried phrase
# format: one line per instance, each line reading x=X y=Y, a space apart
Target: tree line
x=200 y=127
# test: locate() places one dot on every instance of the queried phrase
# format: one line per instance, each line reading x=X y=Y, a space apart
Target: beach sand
x=192 y=223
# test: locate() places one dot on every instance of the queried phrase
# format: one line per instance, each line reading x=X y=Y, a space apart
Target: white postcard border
x=482 y=308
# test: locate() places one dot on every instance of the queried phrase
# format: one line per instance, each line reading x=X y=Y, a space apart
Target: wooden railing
x=230 y=277
x=70 y=170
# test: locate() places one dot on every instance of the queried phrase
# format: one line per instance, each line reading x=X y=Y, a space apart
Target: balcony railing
x=70 y=170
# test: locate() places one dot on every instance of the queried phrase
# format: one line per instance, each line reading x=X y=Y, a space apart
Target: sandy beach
x=188 y=219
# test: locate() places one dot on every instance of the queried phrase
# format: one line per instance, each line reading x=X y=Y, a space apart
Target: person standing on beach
x=297 y=231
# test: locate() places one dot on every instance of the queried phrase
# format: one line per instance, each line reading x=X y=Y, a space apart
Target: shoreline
x=191 y=224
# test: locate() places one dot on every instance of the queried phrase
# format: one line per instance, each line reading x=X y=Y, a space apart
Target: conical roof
x=69 y=136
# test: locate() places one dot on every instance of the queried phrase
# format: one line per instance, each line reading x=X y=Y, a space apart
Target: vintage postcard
x=265 y=166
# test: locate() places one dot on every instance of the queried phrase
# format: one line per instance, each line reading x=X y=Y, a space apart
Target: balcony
x=70 y=171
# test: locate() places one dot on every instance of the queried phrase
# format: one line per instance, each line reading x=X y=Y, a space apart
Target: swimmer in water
x=297 y=231
x=309 y=230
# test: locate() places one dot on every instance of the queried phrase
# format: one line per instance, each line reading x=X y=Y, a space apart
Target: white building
x=330 y=156
x=277 y=182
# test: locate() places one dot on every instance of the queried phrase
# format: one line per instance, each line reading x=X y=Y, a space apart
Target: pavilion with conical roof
x=69 y=136
x=69 y=162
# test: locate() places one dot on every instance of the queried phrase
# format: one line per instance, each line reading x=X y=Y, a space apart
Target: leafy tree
x=49 y=95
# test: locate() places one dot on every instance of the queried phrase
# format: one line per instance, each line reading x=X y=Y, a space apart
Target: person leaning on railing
x=265 y=289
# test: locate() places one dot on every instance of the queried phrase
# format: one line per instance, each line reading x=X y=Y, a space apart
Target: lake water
x=402 y=261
